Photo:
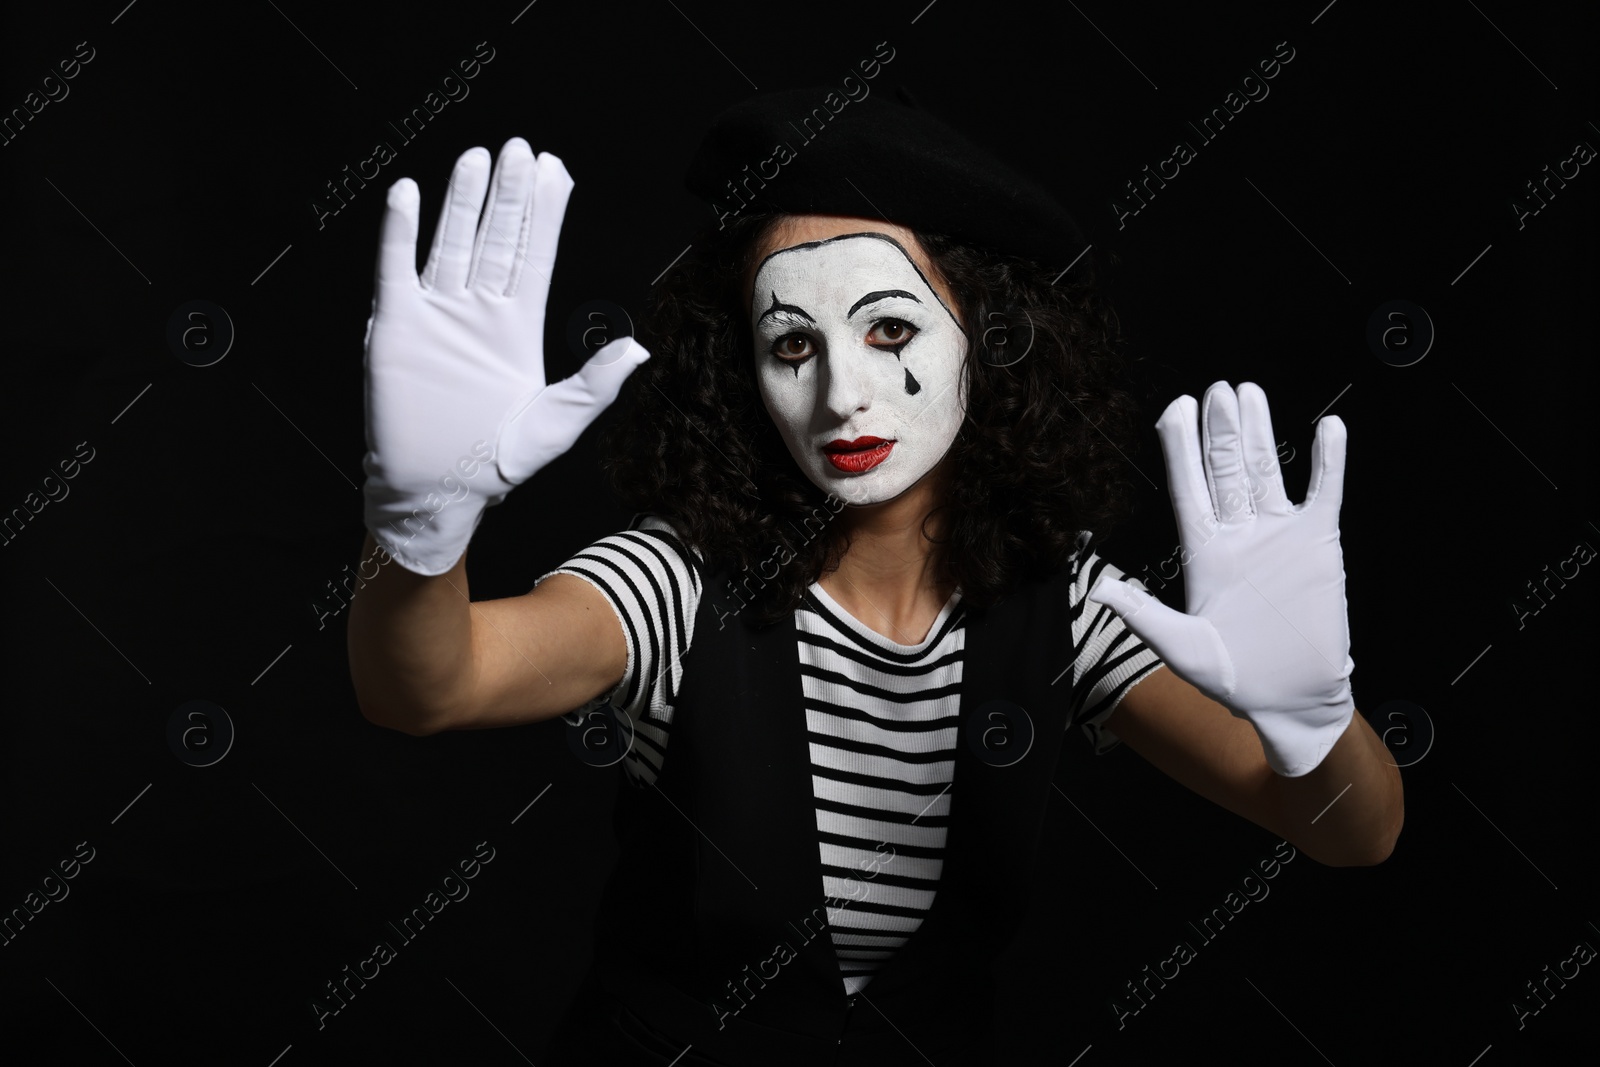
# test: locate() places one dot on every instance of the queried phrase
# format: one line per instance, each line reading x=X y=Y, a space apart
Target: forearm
x=410 y=644
x=1348 y=810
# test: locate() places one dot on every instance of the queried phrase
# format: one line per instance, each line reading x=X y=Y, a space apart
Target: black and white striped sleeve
x=652 y=583
x=1108 y=658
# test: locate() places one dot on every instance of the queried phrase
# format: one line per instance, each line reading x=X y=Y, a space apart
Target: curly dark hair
x=1039 y=457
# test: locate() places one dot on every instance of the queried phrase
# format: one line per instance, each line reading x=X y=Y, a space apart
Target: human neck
x=890 y=578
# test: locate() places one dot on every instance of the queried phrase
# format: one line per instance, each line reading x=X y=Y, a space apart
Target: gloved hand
x=458 y=413
x=1267 y=632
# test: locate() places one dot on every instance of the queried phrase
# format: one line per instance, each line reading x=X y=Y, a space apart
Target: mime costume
x=825 y=835
x=822 y=864
x=818 y=780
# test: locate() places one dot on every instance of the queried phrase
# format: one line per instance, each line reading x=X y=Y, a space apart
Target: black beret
x=791 y=151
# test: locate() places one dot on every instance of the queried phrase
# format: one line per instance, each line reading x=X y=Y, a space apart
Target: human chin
x=882 y=484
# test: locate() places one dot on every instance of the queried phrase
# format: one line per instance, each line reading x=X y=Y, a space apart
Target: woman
x=834 y=634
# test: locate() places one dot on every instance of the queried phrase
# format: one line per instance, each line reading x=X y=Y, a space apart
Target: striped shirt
x=881 y=718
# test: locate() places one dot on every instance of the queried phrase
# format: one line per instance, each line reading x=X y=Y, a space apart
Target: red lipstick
x=862 y=454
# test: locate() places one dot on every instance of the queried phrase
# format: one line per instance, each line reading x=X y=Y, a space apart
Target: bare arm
x=458 y=403
x=424 y=658
x=1346 y=812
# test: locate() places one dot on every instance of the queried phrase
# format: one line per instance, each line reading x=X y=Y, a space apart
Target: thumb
x=547 y=423
x=604 y=372
x=1189 y=644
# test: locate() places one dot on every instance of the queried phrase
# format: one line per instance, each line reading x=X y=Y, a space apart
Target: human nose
x=847 y=388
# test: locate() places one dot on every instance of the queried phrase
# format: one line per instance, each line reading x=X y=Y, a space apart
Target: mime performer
x=859 y=617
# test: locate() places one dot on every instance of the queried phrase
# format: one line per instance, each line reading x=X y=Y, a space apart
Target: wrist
x=1296 y=742
x=425 y=537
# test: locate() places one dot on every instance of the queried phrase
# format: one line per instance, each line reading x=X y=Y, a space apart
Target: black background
x=190 y=549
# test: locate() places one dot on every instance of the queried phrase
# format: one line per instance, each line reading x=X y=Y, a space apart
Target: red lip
x=841 y=445
x=862 y=454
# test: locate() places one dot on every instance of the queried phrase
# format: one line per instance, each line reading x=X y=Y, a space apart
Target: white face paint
x=851 y=342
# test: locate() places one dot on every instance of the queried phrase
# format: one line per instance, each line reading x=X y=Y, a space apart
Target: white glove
x=458 y=413
x=1267 y=633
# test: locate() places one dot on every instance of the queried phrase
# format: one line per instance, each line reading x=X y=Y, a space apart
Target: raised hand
x=1266 y=633
x=458 y=412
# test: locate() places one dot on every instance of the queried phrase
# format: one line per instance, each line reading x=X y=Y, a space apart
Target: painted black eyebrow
x=877 y=236
x=882 y=294
x=790 y=308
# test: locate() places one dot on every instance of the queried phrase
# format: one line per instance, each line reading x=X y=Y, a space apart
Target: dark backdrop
x=219 y=501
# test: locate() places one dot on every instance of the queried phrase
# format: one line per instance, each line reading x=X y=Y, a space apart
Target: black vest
x=711 y=930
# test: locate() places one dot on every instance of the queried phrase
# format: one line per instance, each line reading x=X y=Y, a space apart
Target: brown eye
x=792 y=347
x=891 y=333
